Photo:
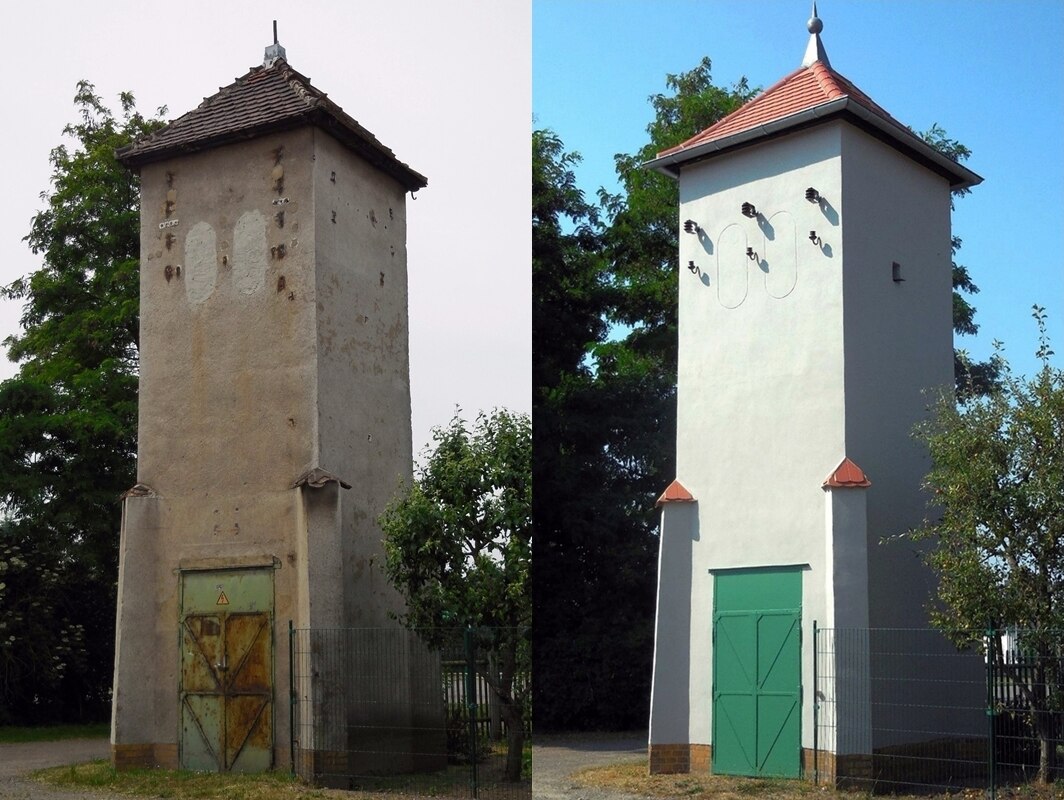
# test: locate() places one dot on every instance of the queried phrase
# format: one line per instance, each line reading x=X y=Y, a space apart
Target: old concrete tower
x=274 y=412
x=815 y=307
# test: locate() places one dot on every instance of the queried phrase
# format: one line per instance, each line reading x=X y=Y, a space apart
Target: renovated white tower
x=815 y=307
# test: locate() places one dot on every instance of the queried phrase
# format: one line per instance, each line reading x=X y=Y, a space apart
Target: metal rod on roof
x=275 y=31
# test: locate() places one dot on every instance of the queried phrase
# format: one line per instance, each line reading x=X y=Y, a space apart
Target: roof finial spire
x=274 y=51
x=814 y=51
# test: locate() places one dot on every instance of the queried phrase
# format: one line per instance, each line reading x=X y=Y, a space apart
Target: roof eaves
x=133 y=156
x=331 y=118
x=670 y=164
x=960 y=177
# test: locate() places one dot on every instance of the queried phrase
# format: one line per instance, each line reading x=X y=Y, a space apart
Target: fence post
x=816 y=712
x=991 y=649
x=471 y=704
x=292 y=696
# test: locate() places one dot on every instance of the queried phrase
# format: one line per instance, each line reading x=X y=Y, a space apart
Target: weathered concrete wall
x=364 y=427
x=363 y=362
x=273 y=341
x=227 y=400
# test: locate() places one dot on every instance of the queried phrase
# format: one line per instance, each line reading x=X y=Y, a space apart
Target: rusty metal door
x=227 y=670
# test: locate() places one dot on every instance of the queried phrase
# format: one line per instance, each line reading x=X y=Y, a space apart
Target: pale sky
x=445 y=85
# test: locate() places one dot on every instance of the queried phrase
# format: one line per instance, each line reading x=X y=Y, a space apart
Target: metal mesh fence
x=404 y=711
x=904 y=710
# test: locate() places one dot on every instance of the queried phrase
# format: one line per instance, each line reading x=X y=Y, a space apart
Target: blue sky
x=990 y=73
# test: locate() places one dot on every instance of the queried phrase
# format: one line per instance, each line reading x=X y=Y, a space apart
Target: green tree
x=68 y=425
x=605 y=416
x=605 y=412
x=972 y=378
x=641 y=237
x=458 y=546
x=998 y=547
x=569 y=290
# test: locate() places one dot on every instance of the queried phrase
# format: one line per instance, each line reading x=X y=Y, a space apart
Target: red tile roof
x=266 y=99
x=675 y=493
x=803 y=89
x=847 y=475
x=809 y=95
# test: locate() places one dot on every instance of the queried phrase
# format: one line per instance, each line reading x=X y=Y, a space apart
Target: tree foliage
x=458 y=546
x=972 y=378
x=998 y=480
x=605 y=411
x=641 y=237
x=68 y=425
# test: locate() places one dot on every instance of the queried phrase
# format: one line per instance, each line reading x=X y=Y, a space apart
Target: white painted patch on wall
x=781 y=254
x=732 y=263
x=201 y=262
x=249 y=252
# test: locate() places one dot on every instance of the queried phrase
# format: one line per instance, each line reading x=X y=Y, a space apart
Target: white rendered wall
x=760 y=384
x=899 y=353
x=786 y=367
x=673 y=632
x=899 y=342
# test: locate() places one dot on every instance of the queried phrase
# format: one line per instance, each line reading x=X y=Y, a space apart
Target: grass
x=184 y=785
x=633 y=778
x=13 y=734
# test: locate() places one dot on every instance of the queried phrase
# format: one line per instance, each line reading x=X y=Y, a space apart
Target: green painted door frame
x=757 y=685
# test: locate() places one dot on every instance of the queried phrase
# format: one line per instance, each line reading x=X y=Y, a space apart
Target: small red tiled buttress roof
x=676 y=492
x=808 y=96
x=847 y=475
x=267 y=99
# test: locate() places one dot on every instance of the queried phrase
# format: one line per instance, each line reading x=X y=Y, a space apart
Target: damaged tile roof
x=266 y=99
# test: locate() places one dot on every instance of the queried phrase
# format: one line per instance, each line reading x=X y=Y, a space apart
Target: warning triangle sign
x=222 y=599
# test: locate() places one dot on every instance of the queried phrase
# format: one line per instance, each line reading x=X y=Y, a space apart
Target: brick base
x=668 y=759
x=840 y=771
x=143 y=756
x=917 y=763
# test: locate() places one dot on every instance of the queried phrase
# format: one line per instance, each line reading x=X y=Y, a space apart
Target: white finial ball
x=815 y=25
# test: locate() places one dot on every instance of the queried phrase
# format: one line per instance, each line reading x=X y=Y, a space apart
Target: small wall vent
x=895 y=272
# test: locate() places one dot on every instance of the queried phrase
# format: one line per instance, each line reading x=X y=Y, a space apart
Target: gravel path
x=18 y=759
x=555 y=759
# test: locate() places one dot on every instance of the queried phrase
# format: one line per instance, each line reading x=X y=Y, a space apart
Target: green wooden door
x=757 y=672
x=227 y=670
